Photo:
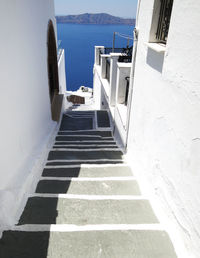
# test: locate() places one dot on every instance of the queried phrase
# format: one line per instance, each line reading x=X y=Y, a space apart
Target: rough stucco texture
x=164 y=142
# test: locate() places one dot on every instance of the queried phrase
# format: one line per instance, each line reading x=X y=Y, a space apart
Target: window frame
x=164 y=21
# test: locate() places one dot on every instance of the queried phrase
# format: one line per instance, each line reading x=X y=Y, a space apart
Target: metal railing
x=108 y=69
x=126 y=53
x=126 y=56
x=108 y=50
x=125 y=59
x=164 y=20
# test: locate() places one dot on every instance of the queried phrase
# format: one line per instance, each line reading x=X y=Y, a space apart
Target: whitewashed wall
x=62 y=78
x=101 y=89
x=61 y=73
x=100 y=96
x=164 y=139
x=24 y=98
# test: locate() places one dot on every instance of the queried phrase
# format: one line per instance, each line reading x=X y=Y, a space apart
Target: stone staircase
x=87 y=203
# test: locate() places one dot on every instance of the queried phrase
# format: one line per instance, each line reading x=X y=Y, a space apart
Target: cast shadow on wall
x=155 y=59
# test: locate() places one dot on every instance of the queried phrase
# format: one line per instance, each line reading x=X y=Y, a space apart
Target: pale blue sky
x=121 y=8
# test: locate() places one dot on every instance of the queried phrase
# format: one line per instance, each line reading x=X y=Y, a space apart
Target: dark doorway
x=52 y=63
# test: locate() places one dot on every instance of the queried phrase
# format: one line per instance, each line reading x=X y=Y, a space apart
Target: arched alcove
x=52 y=62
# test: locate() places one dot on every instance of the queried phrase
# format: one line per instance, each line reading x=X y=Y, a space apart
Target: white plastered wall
x=24 y=100
x=61 y=73
x=164 y=135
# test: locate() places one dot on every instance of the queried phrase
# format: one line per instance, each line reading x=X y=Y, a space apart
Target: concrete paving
x=87 y=203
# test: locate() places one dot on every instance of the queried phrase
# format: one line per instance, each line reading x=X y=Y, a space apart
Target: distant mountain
x=99 y=18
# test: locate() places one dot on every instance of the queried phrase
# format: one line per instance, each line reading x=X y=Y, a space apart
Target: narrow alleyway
x=87 y=203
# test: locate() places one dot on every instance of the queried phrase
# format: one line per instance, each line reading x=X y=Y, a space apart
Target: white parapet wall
x=61 y=72
x=107 y=92
x=164 y=133
x=98 y=51
x=113 y=77
x=62 y=76
x=100 y=90
x=26 y=124
x=121 y=108
x=104 y=58
x=123 y=71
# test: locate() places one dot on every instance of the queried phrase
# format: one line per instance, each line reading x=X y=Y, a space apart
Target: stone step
x=103 y=119
x=80 y=162
x=80 y=115
x=95 y=172
x=80 y=112
x=99 y=142
x=115 y=187
x=45 y=210
x=100 y=133
x=69 y=123
x=85 y=147
x=83 y=138
x=90 y=244
x=84 y=155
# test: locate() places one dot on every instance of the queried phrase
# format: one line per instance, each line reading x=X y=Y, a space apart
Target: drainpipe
x=135 y=44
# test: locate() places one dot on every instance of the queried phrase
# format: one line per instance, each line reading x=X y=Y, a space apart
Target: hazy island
x=99 y=18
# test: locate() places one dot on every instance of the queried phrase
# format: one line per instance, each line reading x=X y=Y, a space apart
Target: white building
x=31 y=96
x=159 y=125
x=155 y=118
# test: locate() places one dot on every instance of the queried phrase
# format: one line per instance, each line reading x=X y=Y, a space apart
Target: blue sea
x=79 y=41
